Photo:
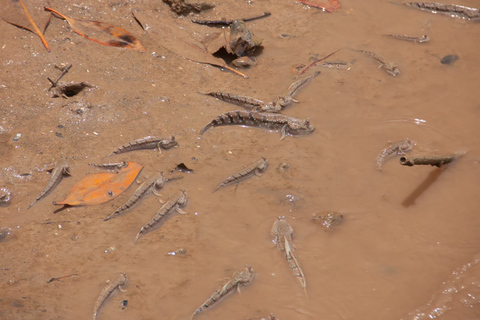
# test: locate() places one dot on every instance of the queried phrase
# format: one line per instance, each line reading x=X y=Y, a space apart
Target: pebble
x=450 y=59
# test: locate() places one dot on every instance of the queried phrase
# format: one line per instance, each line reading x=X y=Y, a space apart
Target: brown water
x=405 y=231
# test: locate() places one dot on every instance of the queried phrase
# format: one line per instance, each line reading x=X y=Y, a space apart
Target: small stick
x=317 y=61
x=433 y=160
x=229 y=22
x=70 y=275
x=55 y=222
x=54 y=83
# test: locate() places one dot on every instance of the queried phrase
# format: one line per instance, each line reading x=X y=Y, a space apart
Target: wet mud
x=407 y=235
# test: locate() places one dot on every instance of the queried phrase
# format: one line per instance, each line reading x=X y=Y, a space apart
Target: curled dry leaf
x=102 y=33
x=101 y=187
x=180 y=41
x=330 y=6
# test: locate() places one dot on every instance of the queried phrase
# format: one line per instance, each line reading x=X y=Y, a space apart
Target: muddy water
x=408 y=245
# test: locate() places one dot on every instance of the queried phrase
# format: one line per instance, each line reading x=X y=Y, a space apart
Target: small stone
x=450 y=59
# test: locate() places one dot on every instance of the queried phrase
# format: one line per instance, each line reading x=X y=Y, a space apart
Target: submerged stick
x=433 y=160
x=63 y=277
x=317 y=61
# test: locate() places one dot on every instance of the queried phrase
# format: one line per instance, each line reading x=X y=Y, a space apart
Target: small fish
x=298 y=85
x=257 y=105
x=282 y=102
x=107 y=291
x=286 y=124
x=452 y=10
x=110 y=166
x=421 y=39
x=397 y=148
x=154 y=181
x=390 y=67
x=180 y=199
x=147 y=143
x=239 y=278
x=257 y=168
x=283 y=232
x=243 y=101
x=62 y=168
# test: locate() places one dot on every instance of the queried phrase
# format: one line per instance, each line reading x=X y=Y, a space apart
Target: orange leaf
x=101 y=187
x=102 y=33
x=331 y=6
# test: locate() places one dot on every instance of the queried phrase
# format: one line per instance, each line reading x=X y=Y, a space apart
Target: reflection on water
x=462 y=289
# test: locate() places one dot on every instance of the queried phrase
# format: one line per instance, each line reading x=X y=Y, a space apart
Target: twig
x=63 y=277
x=433 y=160
x=54 y=222
x=229 y=22
x=54 y=83
x=317 y=61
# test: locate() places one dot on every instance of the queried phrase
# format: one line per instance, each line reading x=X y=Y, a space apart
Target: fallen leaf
x=102 y=33
x=101 y=187
x=179 y=41
x=331 y=6
x=11 y=14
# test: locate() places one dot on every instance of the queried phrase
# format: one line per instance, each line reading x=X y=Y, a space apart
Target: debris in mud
x=5 y=233
x=124 y=304
x=297 y=69
x=138 y=16
x=238 y=41
x=283 y=167
x=62 y=277
x=330 y=6
x=5 y=197
x=181 y=42
x=452 y=10
x=292 y=199
x=64 y=70
x=185 y=7
x=67 y=90
x=328 y=220
x=17 y=137
x=433 y=160
x=177 y=252
x=182 y=168
x=450 y=59
x=224 y=22
x=102 y=33
x=14 y=19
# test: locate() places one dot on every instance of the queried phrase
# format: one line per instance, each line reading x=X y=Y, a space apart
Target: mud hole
x=384 y=261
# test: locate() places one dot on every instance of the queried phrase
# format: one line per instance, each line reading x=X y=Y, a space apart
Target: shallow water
x=405 y=231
